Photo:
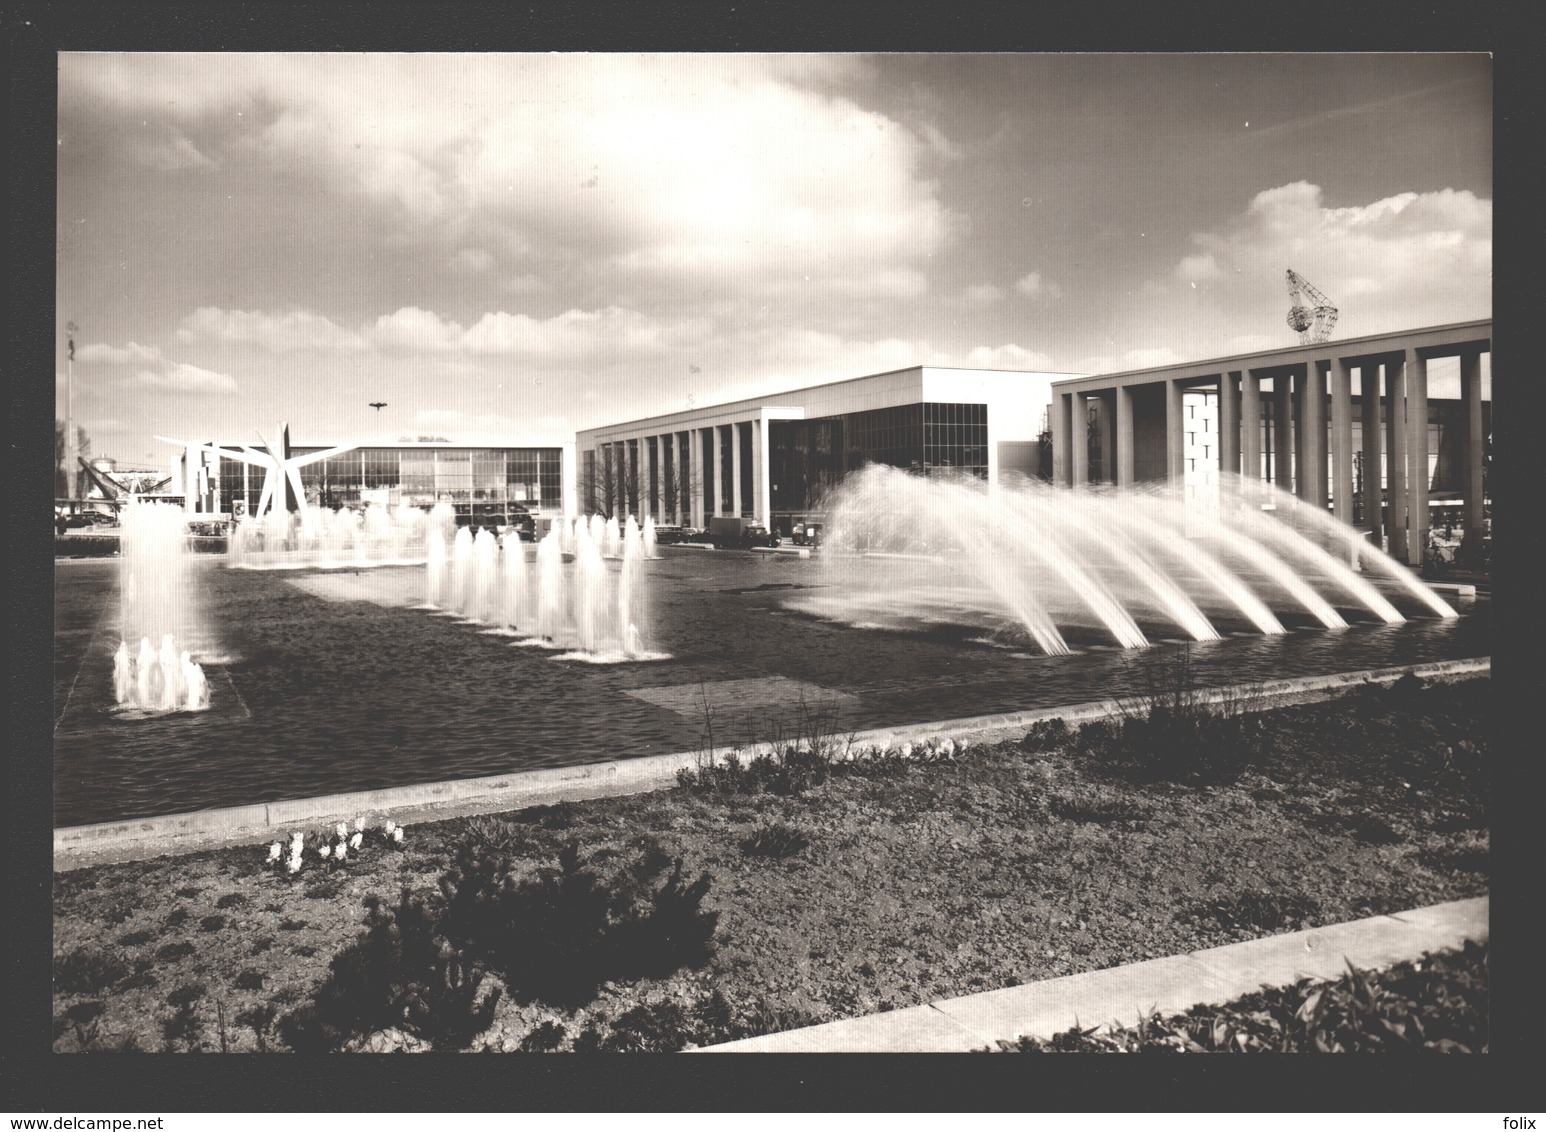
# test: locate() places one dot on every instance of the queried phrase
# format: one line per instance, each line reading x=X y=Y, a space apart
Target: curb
x=136 y=839
x=1121 y=995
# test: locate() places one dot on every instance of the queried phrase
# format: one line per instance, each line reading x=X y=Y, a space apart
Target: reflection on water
x=319 y=696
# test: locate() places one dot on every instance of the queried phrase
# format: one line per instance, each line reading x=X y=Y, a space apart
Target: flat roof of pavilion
x=1428 y=340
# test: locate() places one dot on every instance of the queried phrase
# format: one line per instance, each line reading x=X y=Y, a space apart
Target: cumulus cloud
x=1033 y=286
x=472 y=261
x=1409 y=259
x=982 y=295
x=179 y=377
x=1145 y=358
x=1009 y=356
x=131 y=354
x=278 y=333
x=703 y=163
x=157 y=371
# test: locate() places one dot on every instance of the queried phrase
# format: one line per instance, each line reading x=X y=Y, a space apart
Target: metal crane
x=1312 y=314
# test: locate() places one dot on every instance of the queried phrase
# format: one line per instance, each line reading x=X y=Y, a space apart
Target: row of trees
x=617 y=488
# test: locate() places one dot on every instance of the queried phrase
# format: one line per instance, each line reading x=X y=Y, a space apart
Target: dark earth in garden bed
x=886 y=885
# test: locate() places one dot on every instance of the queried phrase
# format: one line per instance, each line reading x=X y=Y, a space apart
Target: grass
x=700 y=914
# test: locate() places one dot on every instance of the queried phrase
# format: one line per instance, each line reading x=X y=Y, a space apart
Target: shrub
x=1260 y=911
x=789 y=769
x=401 y=972
x=212 y=923
x=777 y=840
x=85 y=971
x=544 y=1039
x=232 y=900
x=558 y=934
x=1046 y=735
x=135 y=939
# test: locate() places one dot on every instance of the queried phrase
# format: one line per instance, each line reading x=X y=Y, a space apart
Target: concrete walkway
x=142 y=838
x=1123 y=994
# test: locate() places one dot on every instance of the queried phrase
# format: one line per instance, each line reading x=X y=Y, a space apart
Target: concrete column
x=1373 y=451
x=700 y=503
x=691 y=452
x=762 y=484
x=1250 y=425
x=1313 y=446
x=1396 y=465
x=1175 y=433
x=650 y=463
x=1418 y=480
x=1342 y=440
x=667 y=466
x=1283 y=431
x=719 y=469
x=1079 y=440
x=1472 y=447
x=1124 y=445
x=737 y=504
x=1229 y=427
x=1062 y=442
x=1106 y=423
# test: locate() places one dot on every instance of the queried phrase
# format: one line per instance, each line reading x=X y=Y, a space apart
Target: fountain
x=327 y=539
x=1098 y=562
x=582 y=605
x=158 y=601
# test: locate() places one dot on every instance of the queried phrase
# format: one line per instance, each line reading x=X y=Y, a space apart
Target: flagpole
x=71 y=448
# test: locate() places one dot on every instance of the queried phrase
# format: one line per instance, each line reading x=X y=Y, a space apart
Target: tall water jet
x=434 y=568
x=612 y=540
x=631 y=612
x=480 y=594
x=159 y=600
x=461 y=574
x=515 y=598
x=649 y=538
x=1118 y=563
x=550 y=584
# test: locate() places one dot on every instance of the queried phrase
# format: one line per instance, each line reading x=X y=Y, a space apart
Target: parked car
x=89 y=519
x=806 y=534
x=667 y=533
x=739 y=534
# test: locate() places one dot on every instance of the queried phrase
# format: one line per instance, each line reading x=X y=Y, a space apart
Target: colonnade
x=685 y=476
x=1299 y=434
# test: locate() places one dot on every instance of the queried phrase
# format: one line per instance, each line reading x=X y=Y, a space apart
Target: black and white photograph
x=772 y=552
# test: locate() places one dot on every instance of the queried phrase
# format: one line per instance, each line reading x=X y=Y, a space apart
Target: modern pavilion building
x=1298 y=418
x=237 y=479
x=772 y=458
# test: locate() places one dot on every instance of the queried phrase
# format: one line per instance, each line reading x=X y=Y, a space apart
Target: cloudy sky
x=502 y=245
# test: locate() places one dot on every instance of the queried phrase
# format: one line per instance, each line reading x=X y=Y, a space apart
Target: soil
x=915 y=881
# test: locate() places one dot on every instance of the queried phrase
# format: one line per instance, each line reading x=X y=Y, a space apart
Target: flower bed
x=787 y=892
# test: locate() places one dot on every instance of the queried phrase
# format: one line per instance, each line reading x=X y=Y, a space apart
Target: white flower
x=325 y=850
x=341 y=851
x=390 y=825
x=359 y=825
x=356 y=840
x=295 y=864
x=273 y=851
x=907 y=750
x=397 y=835
x=343 y=829
x=947 y=747
x=297 y=837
